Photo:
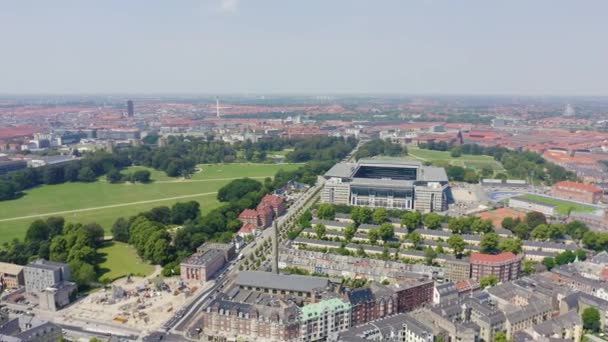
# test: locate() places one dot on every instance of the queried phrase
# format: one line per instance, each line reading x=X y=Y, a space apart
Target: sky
x=523 y=47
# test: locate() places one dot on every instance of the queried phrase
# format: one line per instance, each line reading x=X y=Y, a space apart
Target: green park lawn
x=563 y=207
x=121 y=260
x=476 y=162
x=103 y=202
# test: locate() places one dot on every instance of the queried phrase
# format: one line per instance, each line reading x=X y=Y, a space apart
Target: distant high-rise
x=130 y=108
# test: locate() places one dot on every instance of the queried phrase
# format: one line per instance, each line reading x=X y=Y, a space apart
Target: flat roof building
x=387 y=183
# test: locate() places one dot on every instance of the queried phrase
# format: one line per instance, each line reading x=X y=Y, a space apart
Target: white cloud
x=229 y=6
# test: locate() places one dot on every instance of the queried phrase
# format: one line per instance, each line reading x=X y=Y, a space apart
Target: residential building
x=446 y=292
x=324 y=318
x=578 y=192
x=11 y=276
x=505 y=266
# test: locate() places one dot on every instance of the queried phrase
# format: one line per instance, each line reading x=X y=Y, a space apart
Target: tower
x=217 y=107
x=275 y=247
x=130 y=109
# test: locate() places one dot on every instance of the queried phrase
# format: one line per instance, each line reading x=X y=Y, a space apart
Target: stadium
x=387 y=183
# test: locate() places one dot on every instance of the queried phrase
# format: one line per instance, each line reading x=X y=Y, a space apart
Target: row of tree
x=52 y=239
x=140 y=176
x=379 y=147
x=87 y=169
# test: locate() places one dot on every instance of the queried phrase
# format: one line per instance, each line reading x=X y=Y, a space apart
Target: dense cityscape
x=232 y=171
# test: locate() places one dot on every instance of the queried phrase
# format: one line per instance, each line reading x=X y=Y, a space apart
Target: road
x=179 y=322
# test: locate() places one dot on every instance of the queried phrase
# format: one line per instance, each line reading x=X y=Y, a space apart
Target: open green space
x=476 y=162
x=103 y=202
x=562 y=207
x=121 y=260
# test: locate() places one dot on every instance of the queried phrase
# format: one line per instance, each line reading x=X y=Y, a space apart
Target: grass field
x=466 y=160
x=563 y=207
x=121 y=260
x=102 y=202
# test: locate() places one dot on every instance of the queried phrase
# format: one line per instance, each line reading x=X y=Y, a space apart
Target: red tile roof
x=492 y=258
x=248 y=213
x=247 y=228
x=574 y=186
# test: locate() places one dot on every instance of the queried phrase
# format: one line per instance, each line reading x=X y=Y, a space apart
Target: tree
x=55 y=225
x=183 y=211
x=540 y=233
x=481 y=226
x=488 y=281
x=380 y=215
x=429 y=255
x=549 y=263
x=522 y=230
x=86 y=174
x=457 y=244
x=509 y=223
x=83 y=273
x=114 y=176
x=320 y=230
x=470 y=176
x=142 y=176
x=432 y=220
x=510 y=245
x=326 y=211
x=415 y=238
x=529 y=267
x=361 y=215
x=237 y=189
x=456 y=152
x=486 y=171
x=534 y=218
x=387 y=231
x=373 y=235
x=500 y=337
x=120 y=230
x=7 y=190
x=489 y=243
x=38 y=231
x=349 y=232
x=95 y=234
x=411 y=220
x=591 y=319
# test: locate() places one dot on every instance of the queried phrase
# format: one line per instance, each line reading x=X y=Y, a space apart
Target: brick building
x=505 y=266
x=577 y=192
x=11 y=275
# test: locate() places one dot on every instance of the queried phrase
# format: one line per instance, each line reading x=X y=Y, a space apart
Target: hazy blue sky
x=309 y=46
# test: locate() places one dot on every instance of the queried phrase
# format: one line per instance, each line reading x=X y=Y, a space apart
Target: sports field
x=121 y=260
x=466 y=160
x=562 y=207
x=102 y=202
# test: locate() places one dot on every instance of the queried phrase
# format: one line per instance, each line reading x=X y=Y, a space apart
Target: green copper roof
x=317 y=309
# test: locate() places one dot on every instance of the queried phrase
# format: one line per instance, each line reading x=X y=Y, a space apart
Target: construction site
x=132 y=304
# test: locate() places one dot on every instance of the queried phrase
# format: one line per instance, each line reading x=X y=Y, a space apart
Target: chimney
x=275 y=247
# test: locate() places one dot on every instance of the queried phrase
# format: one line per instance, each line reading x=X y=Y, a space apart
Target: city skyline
x=269 y=47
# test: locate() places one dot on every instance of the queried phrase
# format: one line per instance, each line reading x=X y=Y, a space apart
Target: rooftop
x=267 y=280
x=493 y=258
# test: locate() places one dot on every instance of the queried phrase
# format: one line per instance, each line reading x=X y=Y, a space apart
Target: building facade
x=579 y=192
x=42 y=274
x=505 y=266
